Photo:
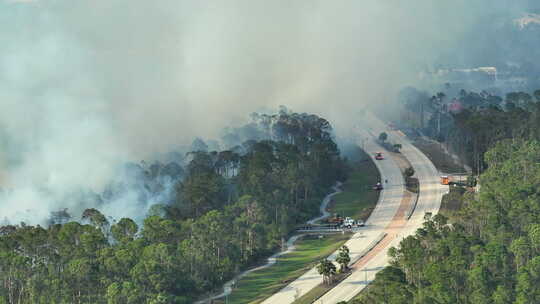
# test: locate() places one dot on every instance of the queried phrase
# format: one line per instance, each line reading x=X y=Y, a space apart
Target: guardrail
x=329 y=230
x=321 y=231
x=308 y=228
x=413 y=206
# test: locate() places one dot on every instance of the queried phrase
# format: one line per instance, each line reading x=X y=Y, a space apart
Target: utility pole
x=439 y=124
x=363 y=144
x=421 y=115
x=365 y=273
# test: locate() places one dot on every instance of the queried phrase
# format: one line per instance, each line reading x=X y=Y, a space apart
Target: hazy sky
x=85 y=85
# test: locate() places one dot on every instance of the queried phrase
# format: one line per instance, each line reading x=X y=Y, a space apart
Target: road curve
x=429 y=200
x=384 y=212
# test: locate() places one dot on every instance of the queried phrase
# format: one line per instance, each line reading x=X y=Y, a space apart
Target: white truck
x=350 y=223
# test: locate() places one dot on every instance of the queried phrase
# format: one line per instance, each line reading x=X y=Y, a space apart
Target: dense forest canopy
x=470 y=123
x=230 y=209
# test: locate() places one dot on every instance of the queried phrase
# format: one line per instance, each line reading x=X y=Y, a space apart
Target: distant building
x=479 y=75
x=455 y=106
x=527 y=19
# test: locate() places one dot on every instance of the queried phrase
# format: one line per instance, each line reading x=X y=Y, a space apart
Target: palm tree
x=327 y=269
x=383 y=137
x=343 y=258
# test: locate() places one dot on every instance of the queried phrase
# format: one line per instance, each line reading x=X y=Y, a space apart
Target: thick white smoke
x=88 y=85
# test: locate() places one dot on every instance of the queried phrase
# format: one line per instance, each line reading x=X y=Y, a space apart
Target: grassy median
x=317 y=292
x=259 y=285
x=358 y=199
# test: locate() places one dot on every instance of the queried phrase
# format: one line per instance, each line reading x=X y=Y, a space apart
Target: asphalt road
x=429 y=200
x=384 y=212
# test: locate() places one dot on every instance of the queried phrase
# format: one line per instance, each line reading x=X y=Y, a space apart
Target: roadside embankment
x=357 y=200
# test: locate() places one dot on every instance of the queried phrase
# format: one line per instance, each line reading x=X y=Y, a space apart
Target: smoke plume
x=86 y=86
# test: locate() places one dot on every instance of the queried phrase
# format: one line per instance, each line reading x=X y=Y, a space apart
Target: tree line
x=470 y=123
x=231 y=209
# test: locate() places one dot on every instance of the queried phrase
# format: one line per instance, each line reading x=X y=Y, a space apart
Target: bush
x=409 y=172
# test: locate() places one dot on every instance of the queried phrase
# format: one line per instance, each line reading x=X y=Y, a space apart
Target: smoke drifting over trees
x=87 y=86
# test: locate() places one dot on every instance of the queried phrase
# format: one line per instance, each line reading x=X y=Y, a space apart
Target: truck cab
x=445 y=180
x=350 y=223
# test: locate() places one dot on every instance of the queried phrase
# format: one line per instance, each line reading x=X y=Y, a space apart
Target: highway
x=429 y=200
x=384 y=212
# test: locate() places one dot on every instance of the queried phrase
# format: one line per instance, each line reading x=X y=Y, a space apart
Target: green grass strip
x=358 y=198
x=259 y=285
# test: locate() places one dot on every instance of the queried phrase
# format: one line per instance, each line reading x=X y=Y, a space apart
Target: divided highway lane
x=431 y=190
x=384 y=212
x=429 y=200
